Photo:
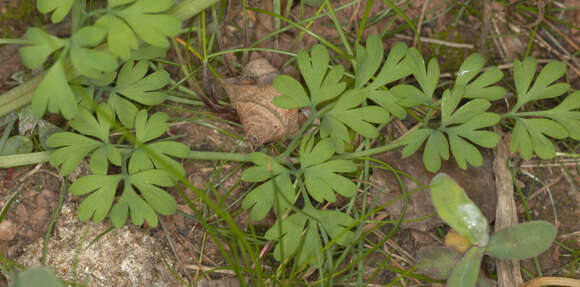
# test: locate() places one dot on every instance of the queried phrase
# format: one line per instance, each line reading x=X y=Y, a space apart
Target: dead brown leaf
x=252 y=98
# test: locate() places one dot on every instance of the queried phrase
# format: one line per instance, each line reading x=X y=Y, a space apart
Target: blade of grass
x=339 y=28
x=300 y=27
x=53 y=219
x=363 y=22
x=402 y=15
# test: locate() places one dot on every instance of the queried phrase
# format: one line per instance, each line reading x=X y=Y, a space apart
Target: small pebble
x=7 y=230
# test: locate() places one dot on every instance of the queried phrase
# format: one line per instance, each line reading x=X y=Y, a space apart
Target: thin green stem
x=369 y=152
x=8 y=161
x=6 y=41
x=296 y=140
x=63 y=193
x=296 y=25
x=339 y=28
x=189 y=8
x=226 y=156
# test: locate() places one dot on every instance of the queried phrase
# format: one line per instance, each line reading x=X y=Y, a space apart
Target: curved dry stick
x=559 y=281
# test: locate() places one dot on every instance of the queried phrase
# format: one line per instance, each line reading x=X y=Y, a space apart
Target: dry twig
x=508 y=271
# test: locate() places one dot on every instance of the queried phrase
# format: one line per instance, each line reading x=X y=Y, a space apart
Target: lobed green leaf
x=60 y=8
x=142 y=17
x=41 y=46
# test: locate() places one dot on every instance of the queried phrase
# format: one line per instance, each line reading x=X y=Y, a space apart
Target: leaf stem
x=13 y=160
x=369 y=152
x=227 y=156
x=296 y=140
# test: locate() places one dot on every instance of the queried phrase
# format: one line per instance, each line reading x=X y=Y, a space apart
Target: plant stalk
x=13 y=160
x=369 y=152
x=227 y=156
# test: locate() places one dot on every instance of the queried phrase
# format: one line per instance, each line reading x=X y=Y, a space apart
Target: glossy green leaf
x=522 y=241
x=437 y=262
x=457 y=210
x=466 y=272
x=41 y=46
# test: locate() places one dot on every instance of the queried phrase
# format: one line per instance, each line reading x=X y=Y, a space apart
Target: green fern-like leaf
x=321 y=175
x=89 y=62
x=322 y=84
x=142 y=208
x=463 y=129
x=149 y=155
x=368 y=61
x=532 y=128
x=301 y=233
x=60 y=8
x=133 y=83
x=276 y=192
x=145 y=18
x=73 y=148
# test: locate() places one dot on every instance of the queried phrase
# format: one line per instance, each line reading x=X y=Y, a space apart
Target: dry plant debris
x=252 y=97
